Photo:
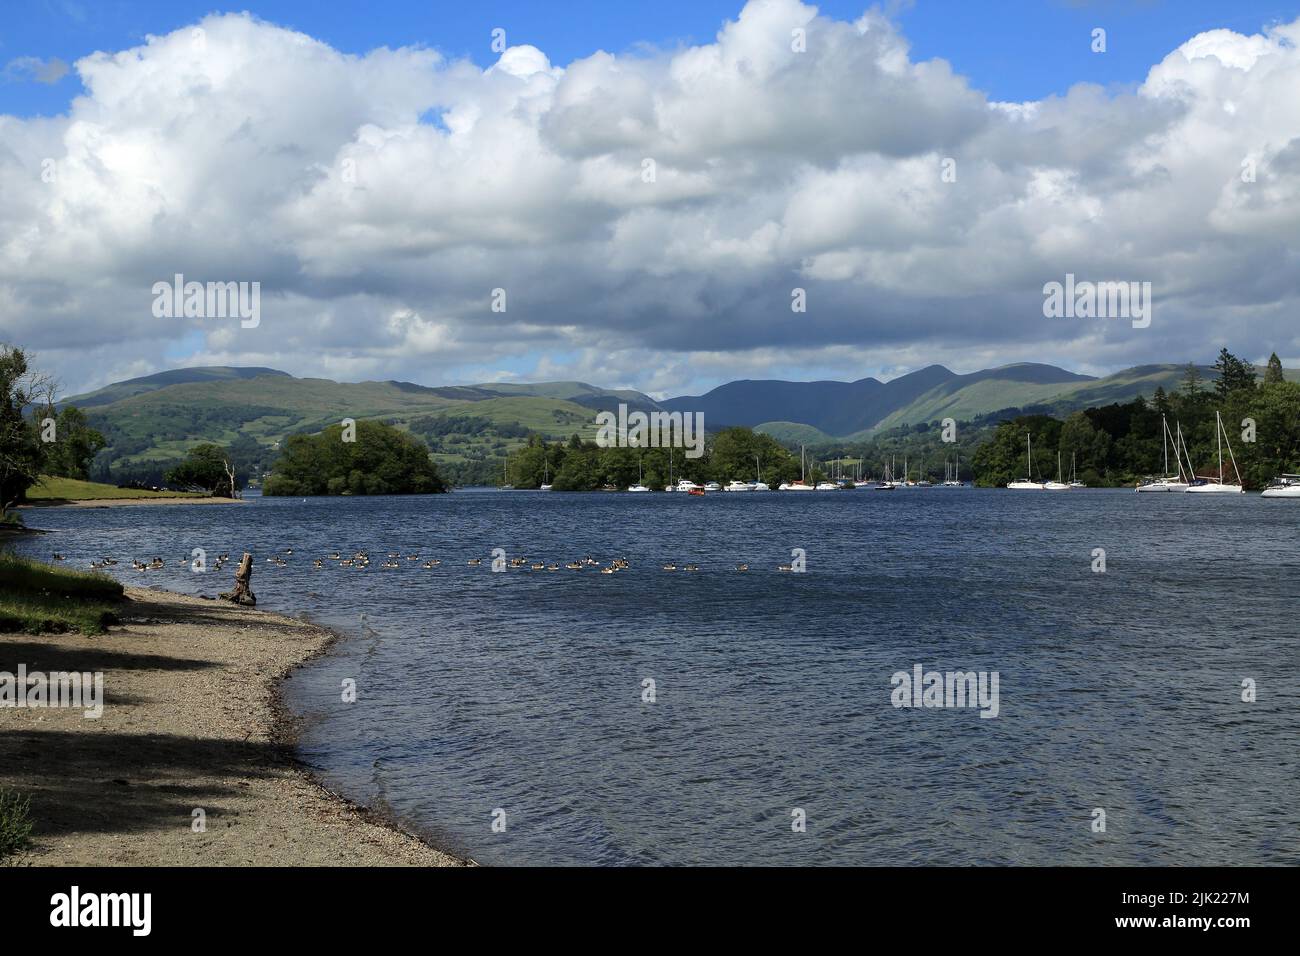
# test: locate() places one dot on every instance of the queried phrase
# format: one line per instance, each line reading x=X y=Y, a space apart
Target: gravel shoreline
x=192 y=720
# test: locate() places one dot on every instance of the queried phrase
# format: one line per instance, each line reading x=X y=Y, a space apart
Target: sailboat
x=887 y=482
x=1027 y=484
x=505 y=478
x=1167 y=482
x=923 y=480
x=952 y=481
x=861 y=482
x=638 y=486
x=1074 y=475
x=801 y=484
x=546 y=477
x=1208 y=486
x=828 y=484
x=1058 y=484
x=759 y=484
x=1283 y=486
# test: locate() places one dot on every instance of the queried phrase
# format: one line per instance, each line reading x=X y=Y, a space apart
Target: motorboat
x=1283 y=486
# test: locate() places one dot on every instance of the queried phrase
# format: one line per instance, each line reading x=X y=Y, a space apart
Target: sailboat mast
x=1218 y=437
x=1164 y=440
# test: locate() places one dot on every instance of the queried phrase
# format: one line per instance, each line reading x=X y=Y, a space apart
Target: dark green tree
x=75 y=445
x=207 y=467
x=382 y=460
x=22 y=453
x=1234 y=375
x=1273 y=372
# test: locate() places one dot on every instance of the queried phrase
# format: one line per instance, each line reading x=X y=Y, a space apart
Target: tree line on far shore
x=731 y=454
x=1117 y=445
x=1113 y=445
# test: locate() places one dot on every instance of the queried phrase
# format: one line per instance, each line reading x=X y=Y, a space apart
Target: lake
x=527 y=691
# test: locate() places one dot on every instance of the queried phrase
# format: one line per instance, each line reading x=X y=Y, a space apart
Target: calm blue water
x=523 y=690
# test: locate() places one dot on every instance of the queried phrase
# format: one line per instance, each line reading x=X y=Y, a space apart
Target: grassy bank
x=15 y=822
x=51 y=490
x=38 y=597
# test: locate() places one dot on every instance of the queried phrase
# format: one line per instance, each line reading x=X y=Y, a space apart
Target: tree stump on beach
x=243 y=594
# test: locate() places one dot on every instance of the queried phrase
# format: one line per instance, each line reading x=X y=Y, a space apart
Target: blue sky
x=1013 y=50
x=377 y=195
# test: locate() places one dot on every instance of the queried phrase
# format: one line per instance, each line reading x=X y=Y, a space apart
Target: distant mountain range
x=159 y=416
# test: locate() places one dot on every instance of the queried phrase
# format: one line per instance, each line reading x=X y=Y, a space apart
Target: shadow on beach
x=38 y=655
x=104 y=782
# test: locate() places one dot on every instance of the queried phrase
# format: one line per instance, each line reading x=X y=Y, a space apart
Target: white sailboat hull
x=1285 y=491
x=1026 y=486
x=1056 y=486
x=1163 y=486
x=1215 y=488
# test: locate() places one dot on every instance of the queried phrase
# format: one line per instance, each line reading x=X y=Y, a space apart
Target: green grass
x=39 y=597
x=50 y=488
x=15 y=822
x=790 y=433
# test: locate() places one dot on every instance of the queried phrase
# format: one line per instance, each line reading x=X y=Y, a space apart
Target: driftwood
x=243 y=594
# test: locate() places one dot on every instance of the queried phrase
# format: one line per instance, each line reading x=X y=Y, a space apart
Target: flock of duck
x=395 y=559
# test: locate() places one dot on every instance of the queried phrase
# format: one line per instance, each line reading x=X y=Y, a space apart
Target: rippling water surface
x=523 y=690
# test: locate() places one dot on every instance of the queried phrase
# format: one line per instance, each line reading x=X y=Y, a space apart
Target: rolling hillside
x=151 y=422
x=859 y=408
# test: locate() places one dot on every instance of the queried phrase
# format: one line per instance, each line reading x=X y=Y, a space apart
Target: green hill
x=794 y=433
x=151 y=422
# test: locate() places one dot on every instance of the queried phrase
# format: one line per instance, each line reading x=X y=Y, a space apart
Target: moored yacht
x=1058 y=484
x=638 y=486
x=1027 y=484
x=801 y=484
x=1074 y=475
x=737 y=485
x=950 y=479
x=1283 y=486
x=1212 y=486
x=1167 y=482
